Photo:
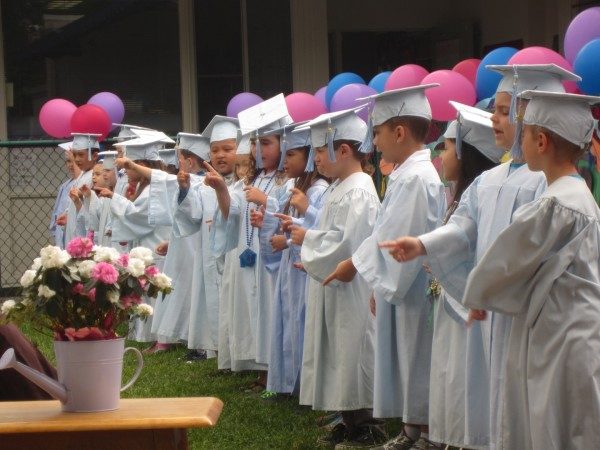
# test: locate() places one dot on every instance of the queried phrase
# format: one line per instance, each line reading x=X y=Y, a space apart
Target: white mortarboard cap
x=169 y=156
x=409 y=101
x=568 y=115
x=108 y=158
x=158 y=135
x=517 y=78
x=289 y=139
x=270 y=115
x=221 y=128
x=330 y=127
x=474 y=126
x=126 y=131
x=142 y=148
x=243 y=144
x=66 y=145
x=196 y=143
x=85 y=141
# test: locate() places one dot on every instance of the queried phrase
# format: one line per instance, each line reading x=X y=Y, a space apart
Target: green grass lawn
x=247 y=421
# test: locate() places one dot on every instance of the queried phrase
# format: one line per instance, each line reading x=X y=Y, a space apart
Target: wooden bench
x=141 y=423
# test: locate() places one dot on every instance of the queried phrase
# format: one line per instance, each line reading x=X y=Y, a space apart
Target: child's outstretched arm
x=404 y=249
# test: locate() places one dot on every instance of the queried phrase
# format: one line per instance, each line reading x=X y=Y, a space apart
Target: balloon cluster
x=468 y=82
x=59 y=117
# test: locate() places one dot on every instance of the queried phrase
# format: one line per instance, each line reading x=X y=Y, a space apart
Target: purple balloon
x=321 y=96
x=110 y=103
x=346 y=98
x=584 y=28
x=242 y=101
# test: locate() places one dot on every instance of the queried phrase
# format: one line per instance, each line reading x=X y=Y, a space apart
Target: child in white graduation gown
x=287 y=332
x=414 y=202
x=247 y=290
x=544 y=271
x=485 y=209
x=97 y=210
x=62 y=197
x=130 y=219
x=337 y=366
x=451 y=393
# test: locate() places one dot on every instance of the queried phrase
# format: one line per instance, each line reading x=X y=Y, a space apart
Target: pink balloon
x=406 y=76
x=543 y=55
x=55 y=117
x=468 y=68
x=347 y=97
x=453 y=86
x=303 y=106
x=321 y=95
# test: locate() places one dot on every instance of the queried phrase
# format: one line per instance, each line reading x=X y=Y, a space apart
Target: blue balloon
x=587 y=66
x=378 y=81
x=487 y=81
x=339 y=81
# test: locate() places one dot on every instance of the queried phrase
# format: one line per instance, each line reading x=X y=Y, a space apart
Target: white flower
x=7 y=306
x=37 y=263
x=106 y=254
x=161 y=281
x=143 y=253
x=143 y=310
x=53 y=257
x=27 y=278
x=113 y=296
x=45 y=291
x=136 y=267
x=85 y=268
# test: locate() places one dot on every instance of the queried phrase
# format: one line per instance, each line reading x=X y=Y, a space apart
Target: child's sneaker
x=426 y=444
x=400 y=442
x=368 y=436
x=336 y=435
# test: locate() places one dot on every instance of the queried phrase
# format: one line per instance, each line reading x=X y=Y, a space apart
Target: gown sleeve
x=162 y=190
x=225 y=232
x=130 y=219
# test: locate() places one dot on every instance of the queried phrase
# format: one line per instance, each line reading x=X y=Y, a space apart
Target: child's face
x=530 y=145
x=223 y=156
x=504 y=131
x=70 y=163
x=269 y=150
x=385 y=140
x=294 y=163
x=110 y=177
x=81 y=159
x=324 y=165
x=98 y=176
x=450 y=162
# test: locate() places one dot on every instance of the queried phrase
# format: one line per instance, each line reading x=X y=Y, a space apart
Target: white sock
x=412 y=432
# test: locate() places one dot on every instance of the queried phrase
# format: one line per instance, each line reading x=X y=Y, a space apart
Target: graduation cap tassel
x=367 y=145
x=89 y=148
x=259 y=164
x=513 y=111
x=283 y=150
x=516 y=152
x=330 y=136
x=310 y=164
x=458 y=139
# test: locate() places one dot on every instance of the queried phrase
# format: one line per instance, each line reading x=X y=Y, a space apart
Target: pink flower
x=152 y=271
x=84 y=334
x=142 y=282
x=130 y=300
x=80 y=247
x=123 y=260
x=105 y=273
x=77 y=289
x=92 y=294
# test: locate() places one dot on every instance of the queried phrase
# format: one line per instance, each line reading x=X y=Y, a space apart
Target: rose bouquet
x=86 y=292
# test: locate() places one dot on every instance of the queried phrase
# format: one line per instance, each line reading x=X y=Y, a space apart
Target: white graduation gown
x=76 y=222
x=60 y=207
x=485 y=209
x=287 y=333
x=544 y=271
x=414 y=203
x=130 y=223
x=337 y=346
x=96 y=212
x=247 y=292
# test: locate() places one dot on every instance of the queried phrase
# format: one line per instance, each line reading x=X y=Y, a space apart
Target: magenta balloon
x=91 y=119
x=110 y=103
x=453 y=86
x=55 y=117
x=584 y=28
x=321 y=95
x=406 y=76
x=242 y=101
x=468 y=69
x=303 y=106
x=543 y=55
x=346 y=98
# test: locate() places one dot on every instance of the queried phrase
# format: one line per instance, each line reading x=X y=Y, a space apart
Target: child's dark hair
x=306 y=180
x=188 y=154
x=418 y=126
x=472 y=164
x=565 y=150
x=360 y=156
x=254 y=172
